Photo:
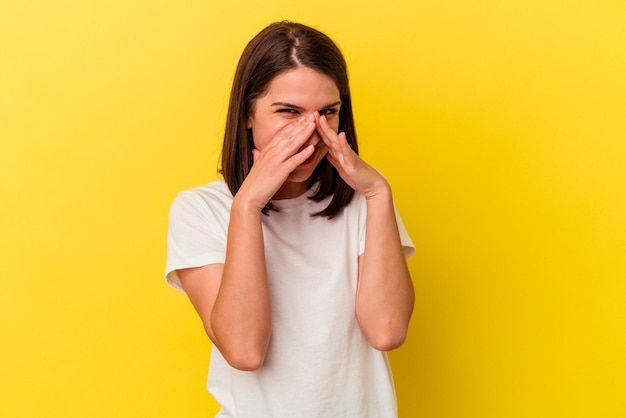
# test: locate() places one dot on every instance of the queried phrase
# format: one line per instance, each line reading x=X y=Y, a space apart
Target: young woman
x=295 y=261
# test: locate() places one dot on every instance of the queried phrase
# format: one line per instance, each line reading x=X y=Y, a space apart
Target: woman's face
x=294 y=93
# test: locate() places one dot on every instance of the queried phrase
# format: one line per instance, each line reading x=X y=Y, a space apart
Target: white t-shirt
x=319 y=363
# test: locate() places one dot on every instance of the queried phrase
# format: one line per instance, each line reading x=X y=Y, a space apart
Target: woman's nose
x=315 y=138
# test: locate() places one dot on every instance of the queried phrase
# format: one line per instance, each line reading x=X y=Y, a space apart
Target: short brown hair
x=279 y=47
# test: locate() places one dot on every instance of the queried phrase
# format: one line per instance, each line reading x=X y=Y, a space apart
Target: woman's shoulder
x=213 y=196
x=217 y=188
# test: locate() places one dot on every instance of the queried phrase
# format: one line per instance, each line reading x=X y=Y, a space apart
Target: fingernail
x=301 y=118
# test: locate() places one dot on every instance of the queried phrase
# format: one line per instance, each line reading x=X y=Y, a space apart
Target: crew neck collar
x=295 y=202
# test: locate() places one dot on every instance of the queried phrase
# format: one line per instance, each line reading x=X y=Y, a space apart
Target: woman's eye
x=287 y=110
x=328 y=112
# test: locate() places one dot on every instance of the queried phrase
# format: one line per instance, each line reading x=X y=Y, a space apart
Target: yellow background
x=500 y=124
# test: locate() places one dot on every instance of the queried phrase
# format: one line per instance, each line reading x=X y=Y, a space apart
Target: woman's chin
x=301 y=174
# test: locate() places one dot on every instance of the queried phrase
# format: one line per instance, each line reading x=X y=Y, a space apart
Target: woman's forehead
x=302 y=84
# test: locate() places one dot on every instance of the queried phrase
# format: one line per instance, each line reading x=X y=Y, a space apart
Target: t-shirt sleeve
x=407 y=245
x=196 y=235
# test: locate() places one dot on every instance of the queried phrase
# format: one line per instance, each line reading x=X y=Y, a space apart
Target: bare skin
x=291 y=138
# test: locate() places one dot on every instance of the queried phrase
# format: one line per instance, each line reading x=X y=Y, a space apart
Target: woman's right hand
x=241 y=326
x=273 y=164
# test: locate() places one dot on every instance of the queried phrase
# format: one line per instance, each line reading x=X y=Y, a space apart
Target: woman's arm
x=385 y=295
x=232 y=299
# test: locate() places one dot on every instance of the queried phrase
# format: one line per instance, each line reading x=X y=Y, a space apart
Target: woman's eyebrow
x=291 y=105
x=337 y=103
x=285 y=104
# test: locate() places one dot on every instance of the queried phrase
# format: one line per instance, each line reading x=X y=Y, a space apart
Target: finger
x=328 y=134
x=302 y=132
x=293 y=129
x=324 y=129
x=294 y=135
x=338 y=146
x=332 y=160
x=323 y=123
x=301 y=156
x=288 y=141
x=338 y=167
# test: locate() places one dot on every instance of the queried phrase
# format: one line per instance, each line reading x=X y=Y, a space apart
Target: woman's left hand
x=353 y=170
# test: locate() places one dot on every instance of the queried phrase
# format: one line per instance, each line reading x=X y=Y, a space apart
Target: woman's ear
x=249 y=122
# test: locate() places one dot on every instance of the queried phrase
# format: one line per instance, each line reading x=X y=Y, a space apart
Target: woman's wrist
x=244 y=205
x=380 y=192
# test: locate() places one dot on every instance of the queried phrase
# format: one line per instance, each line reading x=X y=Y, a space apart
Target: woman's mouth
x=319 y=150
x=309 y=160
